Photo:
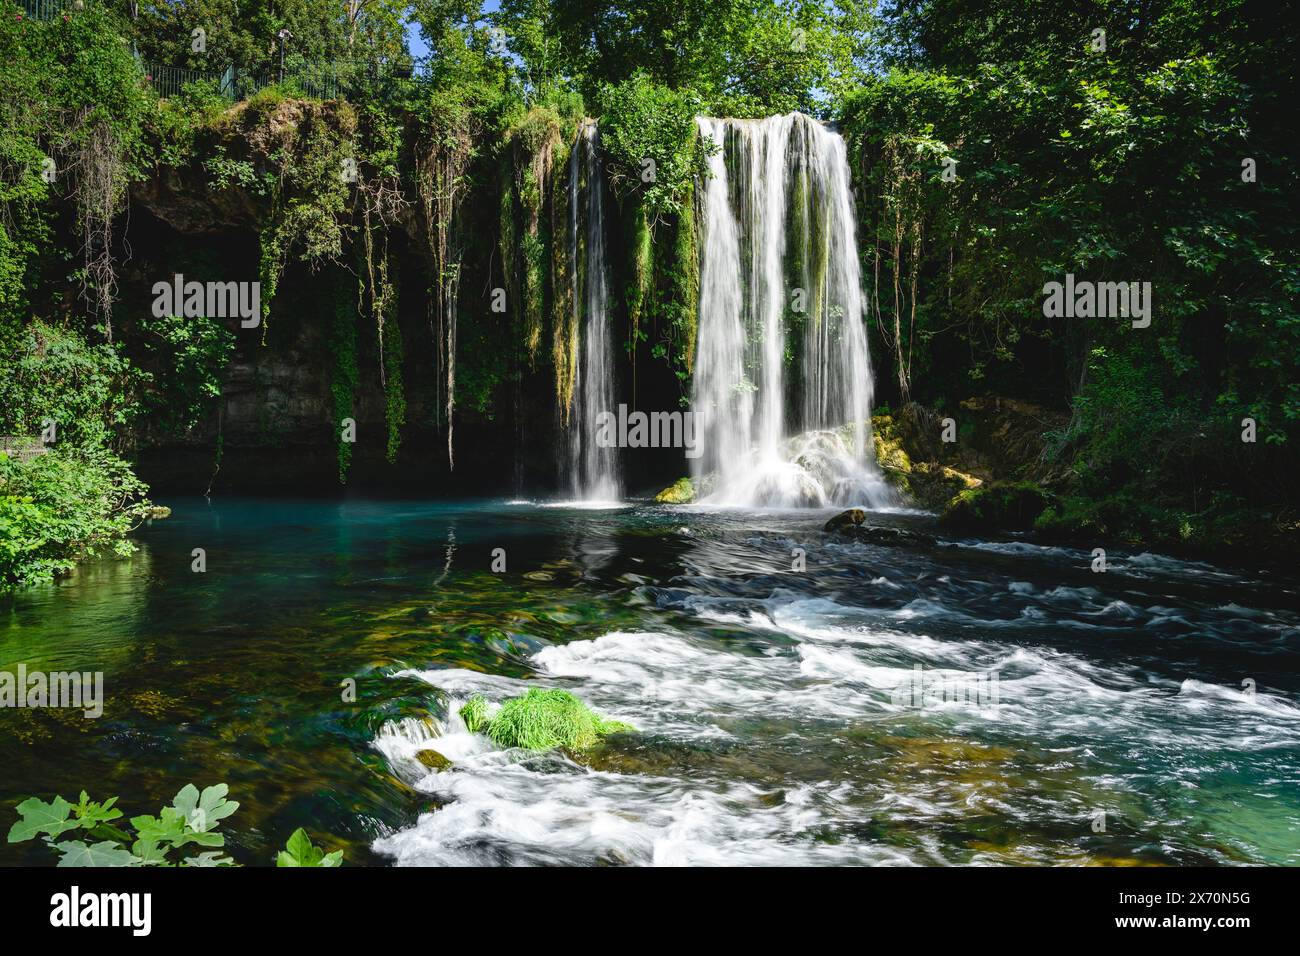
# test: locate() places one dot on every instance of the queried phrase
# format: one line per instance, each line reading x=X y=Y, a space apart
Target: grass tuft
x=475 y=714
x=541 y=720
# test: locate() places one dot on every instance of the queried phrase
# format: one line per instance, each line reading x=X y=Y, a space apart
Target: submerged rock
x=433 y=760
x=891 y=537
x=680 y=492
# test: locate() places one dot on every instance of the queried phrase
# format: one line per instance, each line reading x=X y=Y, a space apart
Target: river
x=797 y=698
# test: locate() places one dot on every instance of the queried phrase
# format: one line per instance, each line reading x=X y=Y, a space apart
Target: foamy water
x=775 y=727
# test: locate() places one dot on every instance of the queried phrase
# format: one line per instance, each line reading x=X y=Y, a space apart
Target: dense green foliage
x=190 y=821
x=994 y=147
x=1123 y=164
x=63 y=506
x=79 y=498
x=741 y=58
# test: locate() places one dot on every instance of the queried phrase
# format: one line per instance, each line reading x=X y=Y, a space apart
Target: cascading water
x=781 y=316
x=593 y=470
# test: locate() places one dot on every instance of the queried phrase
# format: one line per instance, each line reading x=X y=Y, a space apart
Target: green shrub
x=54 y=375
x=642 y=121
x=194 y=353
x=300 y=851
x=61 y=507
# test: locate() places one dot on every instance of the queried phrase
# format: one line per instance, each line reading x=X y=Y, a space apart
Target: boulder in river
x=846 y=519
x=433 y=760
x=680 y=492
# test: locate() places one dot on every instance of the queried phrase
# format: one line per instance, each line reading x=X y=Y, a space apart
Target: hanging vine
x=381 y=203
x=345 y=376
x=88 y=122
x=564 y=283
x=528 y=165
x=391 y=347
x=685 y=281
x=305 y=145
x=441 y=163
x=100 y=176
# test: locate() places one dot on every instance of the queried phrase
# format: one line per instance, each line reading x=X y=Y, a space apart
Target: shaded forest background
x=995 y=146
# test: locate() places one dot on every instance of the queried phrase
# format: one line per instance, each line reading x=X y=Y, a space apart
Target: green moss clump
x=540 y=720
x=532 y=144
x=433 y=760
x=640 y=292
x=680 y=492
x=890 y=453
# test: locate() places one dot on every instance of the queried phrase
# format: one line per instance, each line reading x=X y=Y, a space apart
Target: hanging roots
x=100 y=189
x=440 y=172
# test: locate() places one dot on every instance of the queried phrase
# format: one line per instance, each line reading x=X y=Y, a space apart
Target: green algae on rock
x=540 y=720
x=680 y=492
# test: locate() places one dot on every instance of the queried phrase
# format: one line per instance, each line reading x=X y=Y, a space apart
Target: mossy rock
x=846 y=519
x=908 y=461
x=433 y=760
x=680 y=492
x=1009 y=507
x=890 y=453
x=933 y=485
x=540 y=720
x=894 y=461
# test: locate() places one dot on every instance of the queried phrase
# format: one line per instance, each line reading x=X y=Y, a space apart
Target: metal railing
x=170 y=80
x=326 y=81
x=47 y=9
x=22 y=447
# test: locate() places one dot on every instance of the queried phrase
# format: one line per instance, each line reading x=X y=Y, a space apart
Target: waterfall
x=593 y=470
x=782 y=381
